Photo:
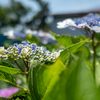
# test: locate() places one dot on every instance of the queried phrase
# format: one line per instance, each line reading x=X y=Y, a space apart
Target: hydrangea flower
x=44 y=37
x=87 y=24
x=12 y=35
x=27 y=51
x=9 y=34
x=20 y=35
x=7 y=92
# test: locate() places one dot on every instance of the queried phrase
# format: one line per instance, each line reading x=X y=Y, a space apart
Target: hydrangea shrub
x=70 y=73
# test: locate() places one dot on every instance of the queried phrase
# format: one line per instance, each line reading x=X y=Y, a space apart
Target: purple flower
x=20 y=35
x=33 y=47
x=7 y=92
x=25 y=43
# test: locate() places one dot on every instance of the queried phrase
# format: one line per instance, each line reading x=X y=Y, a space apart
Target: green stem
x=26 y=64
x=21 y=88
x=94 y=58
x=19 y=66
x=94 y=53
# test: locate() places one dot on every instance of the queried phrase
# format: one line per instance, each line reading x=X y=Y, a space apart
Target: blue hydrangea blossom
x=28 y=51
x=87 y=24
x=44 y=37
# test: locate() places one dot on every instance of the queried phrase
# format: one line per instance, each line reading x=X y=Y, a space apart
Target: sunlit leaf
x=10 y=70
x=43 y=78
x=77 y=83
x=7 y=77
x=65 y=40
x=71 y=49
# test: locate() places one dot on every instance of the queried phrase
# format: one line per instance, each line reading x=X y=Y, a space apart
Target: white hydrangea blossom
x=66 y=23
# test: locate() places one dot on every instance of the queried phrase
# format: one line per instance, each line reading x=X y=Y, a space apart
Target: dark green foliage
x=14 y=14
x=11 y=16
x=39 y=20
x=20 y=95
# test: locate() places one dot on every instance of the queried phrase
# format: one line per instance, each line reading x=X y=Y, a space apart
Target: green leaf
x=7 y=77
x=43 y=78
x=20 y=93
x=32 y=39
x=8 y=63
x=3 y=98
x=10 y=70
x=5 y=63
x=33 y=81
x=76 y=83
x=70 y=43
x=97 y=72
x=65 y=40
x=86 y=51
x=71 y=49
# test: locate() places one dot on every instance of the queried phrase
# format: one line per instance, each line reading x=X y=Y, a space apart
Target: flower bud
x=24 y=51
x=56 y=54
x=2 y=50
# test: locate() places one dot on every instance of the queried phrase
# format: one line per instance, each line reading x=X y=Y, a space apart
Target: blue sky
x=62 y=6
x=68 y=6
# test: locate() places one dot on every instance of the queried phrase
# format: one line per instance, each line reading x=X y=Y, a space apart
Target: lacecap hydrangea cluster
x=89 y=23
x=28 y=51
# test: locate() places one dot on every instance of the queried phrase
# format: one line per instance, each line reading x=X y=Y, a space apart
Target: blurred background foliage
x=16 y=15
x=18 y=18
